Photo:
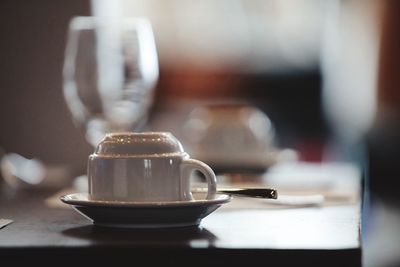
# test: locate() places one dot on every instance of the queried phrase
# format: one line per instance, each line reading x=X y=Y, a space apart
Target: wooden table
x=240 y=233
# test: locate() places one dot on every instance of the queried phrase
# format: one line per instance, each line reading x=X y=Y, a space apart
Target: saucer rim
x=82 y=199
x=145 y=226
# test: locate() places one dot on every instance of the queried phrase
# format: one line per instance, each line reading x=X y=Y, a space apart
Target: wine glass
x=110 y=74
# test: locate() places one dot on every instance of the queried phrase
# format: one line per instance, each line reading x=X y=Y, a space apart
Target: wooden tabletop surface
x=240 y=232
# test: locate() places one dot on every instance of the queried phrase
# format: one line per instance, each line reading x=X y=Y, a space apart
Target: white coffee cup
x=144 y=167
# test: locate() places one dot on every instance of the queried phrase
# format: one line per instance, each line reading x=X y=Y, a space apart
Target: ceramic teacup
x=144 y=167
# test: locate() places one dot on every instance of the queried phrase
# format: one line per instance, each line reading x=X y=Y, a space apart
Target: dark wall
x=34 y=120
x=383 y=141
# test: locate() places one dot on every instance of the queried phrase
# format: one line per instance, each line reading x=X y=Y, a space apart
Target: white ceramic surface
x=149 y=166
x=145 y=214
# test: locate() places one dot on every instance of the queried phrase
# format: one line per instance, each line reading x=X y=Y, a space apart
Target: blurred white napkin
x=4 y=222
x=338 y=183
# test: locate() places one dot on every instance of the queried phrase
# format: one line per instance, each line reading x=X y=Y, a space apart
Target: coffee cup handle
x=190 y=165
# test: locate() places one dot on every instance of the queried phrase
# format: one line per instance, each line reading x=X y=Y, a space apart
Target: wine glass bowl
x=110 y=74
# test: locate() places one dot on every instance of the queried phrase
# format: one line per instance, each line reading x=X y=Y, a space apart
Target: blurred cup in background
x=231 y=137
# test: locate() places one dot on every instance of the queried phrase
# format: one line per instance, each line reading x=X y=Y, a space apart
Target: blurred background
x=324 y=72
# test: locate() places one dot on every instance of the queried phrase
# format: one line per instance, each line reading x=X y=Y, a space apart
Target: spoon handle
x=251 y=192
x=246 y=192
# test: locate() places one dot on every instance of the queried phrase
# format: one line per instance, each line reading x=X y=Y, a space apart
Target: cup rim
x=139 y=144
x=141 y=156
x=146 y=133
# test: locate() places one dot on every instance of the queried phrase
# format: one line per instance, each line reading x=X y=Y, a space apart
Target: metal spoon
x=268 y=193
x=271 y=194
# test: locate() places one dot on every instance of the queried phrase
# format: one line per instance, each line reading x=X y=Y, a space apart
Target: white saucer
x=145 y=214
